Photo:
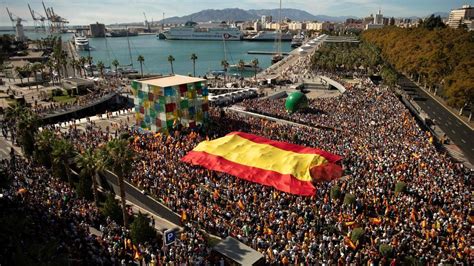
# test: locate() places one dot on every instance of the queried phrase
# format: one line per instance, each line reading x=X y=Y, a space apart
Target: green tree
x=63 y=153
x=386 y=250
x=241 y=66
x=35 y=67
x=120 y=158
x=255 y=67
x=194 y=58
x=91 y=163
x=101 y=67
x=171 y=60
x=141 y=59
x=82 y=63
x=89 y=60
x=335 y=192
x=112 y=209
x=115 y=63
x=50 y=66
x=25 y=125
x=43 y=147
x=349 y=199
x=225 y=65
x=357 y=234
x=141 y=230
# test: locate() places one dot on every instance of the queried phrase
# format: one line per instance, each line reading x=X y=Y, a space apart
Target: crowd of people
x=381 y=144
x=430 y=221
x=80 y=101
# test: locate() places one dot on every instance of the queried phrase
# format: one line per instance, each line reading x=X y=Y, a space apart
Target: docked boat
x=297 y=41
x=269 y=36
x=81 y=43
x=204 y=32
x=245 y=67
x=121 y=33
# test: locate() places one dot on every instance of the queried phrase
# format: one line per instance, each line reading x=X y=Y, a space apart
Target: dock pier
x=266 y=52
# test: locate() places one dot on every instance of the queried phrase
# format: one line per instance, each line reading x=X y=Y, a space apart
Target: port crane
x=56 y=22
x=14 y=19
x=147 y=24
x=38 y=19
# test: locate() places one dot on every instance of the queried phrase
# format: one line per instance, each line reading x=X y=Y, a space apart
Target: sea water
x=210 y=53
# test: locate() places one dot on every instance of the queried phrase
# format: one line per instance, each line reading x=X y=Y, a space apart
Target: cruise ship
x=81 y=43
x=269 y=36
x=204 y=32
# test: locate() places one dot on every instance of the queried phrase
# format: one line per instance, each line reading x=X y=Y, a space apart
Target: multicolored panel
x=183 y=88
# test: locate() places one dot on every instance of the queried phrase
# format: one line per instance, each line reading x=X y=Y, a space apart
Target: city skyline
x=121 y=11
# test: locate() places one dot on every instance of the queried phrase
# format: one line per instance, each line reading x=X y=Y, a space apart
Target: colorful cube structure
x=164 y=102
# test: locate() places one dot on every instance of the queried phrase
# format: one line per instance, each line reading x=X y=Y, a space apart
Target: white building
x=266 y=19
x=377 y=23
x=460 y=16
x=318 y=26
x=295 y=25
x=378 y=18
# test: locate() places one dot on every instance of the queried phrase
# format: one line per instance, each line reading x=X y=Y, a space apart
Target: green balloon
x=296 y=101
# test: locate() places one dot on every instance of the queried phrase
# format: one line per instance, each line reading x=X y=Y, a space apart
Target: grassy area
x=64 y=99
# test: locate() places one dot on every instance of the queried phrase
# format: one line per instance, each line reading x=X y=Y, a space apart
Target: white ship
x=81 y=43
x=269 y=36
x=204 y=32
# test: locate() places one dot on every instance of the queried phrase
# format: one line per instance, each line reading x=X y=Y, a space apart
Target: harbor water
x=156 y=52
x=210 y=53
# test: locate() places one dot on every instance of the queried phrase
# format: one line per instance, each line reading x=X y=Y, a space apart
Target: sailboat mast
x=129 y=50
x=279 y=33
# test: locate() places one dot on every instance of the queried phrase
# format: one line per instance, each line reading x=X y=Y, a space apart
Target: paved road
x=457 y=131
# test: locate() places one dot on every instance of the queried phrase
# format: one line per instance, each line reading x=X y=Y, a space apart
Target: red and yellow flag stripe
x=287 y=167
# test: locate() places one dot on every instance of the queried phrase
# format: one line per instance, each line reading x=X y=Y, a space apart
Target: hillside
x=237 y=14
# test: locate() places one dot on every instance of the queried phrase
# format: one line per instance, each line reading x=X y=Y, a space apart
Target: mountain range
x=237 y=14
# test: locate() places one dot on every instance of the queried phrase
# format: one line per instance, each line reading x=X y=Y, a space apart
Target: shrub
x=112 y=209
x=357 y=234
x=400 y=187
x=57 y=92
x=140 y=229
x=349 y=199
x=385 y=250
x=335 y=192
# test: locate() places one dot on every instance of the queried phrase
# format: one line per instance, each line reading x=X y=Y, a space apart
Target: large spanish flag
x=287 y=167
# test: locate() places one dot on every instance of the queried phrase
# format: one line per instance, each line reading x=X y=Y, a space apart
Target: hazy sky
x=112 y=11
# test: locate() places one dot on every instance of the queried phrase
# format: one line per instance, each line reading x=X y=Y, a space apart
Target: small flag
x=240 y=205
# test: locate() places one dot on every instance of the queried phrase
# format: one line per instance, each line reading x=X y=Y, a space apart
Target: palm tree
x=141 y=59
x=225 y=65
x=82 y=63
x=19 y=71
x=116 y=63
x=255 y=67
x=27 y=72
x=62 y=154
x=34 y=69
x=241 y=66
x=101 y=66
x=50 y=66
x=194 y=58
x=120 y=157
x=24 y=127
x=91 y=163
x=64 y=63
x=171 y=60
x=43 y=143
x=89 y=60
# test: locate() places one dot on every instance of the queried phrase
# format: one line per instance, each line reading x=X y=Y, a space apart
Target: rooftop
x=238 y=252
x=170 y=81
